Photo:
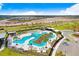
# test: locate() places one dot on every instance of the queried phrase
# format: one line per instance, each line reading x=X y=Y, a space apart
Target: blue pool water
x=36 y=36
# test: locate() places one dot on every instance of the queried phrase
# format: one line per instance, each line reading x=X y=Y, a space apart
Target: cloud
x=15 y=12
x=73 y=10
x=26 y=13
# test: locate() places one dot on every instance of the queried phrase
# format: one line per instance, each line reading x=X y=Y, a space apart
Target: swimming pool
x=35 y=36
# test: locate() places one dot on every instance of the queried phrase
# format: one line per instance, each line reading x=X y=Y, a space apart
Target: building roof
x=2 y=35
x=11 y=32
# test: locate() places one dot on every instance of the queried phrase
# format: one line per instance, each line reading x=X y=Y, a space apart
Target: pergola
x=2 y=38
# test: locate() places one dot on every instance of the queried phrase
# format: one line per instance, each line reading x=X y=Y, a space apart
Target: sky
x=39 y=9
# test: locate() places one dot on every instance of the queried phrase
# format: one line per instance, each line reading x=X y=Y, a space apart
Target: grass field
x=67 y=25
x=9 y=52
x=58 y=26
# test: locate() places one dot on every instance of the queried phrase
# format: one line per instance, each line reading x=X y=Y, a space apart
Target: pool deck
x=25 y=45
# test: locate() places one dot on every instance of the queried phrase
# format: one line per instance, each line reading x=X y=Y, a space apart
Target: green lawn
x=21 y=27
x=9 y=52
x=58 y=26
x=1 y=18
x=64 y=26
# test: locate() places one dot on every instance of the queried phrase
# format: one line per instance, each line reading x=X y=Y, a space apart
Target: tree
x=6 y=41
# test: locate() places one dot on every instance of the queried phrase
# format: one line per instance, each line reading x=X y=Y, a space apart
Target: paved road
x=66 y=34
x=73 y=48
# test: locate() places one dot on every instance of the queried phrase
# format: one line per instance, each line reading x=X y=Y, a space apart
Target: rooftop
x=2 y=35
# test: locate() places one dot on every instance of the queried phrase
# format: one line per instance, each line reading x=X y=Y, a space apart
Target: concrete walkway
x=56 y=47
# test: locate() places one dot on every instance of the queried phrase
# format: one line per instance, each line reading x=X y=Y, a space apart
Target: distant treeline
x=35 y=16
x=2 y=18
